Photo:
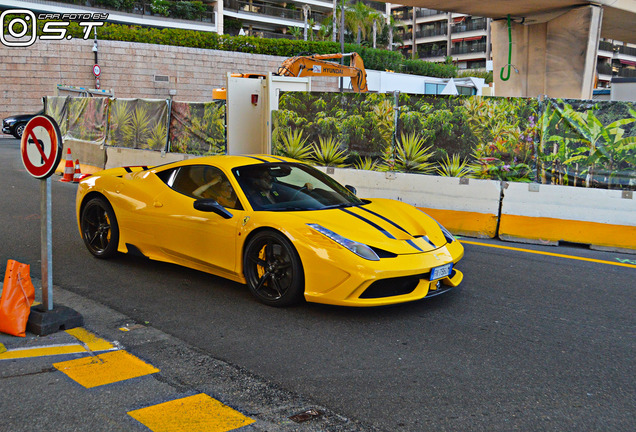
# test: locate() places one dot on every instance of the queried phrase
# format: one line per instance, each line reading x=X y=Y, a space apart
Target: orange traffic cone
x=77 y=175
x=68 y=168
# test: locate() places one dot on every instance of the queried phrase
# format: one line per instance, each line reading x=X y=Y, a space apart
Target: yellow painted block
x=105 y=368
x=465 y=223
x=93 y=342
x=42 y=351
x=551 y=229
x=199 y=413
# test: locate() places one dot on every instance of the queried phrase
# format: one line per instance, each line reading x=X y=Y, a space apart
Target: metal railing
x=604 y=68
x=441 y=52
x=627 y=50
x=472 y=25
x=471 y=48
x=141 y=7
x=268 y=9
x=430 y=33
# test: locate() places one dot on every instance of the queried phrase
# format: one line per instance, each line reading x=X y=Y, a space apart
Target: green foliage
x=328 y=152
x=412 y=156
x=454 y=167
x=377 y=59
x=293 y=145
x=366 y=163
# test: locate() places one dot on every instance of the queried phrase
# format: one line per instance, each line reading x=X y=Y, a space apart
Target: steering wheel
x=302 y=189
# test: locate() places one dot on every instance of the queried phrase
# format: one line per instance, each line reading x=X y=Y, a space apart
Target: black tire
x=100 y=231
x=273 y=269
x=19 y=130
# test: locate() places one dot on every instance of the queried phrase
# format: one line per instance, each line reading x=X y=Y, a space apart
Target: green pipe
x=509 y=53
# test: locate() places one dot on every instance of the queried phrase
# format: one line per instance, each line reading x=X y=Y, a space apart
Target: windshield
x=290 y=186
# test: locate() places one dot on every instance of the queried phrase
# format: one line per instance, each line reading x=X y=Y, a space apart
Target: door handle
x=157 y=204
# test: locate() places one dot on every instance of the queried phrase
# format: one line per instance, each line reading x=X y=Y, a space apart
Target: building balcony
x=469 y=49
x=430 y=33
x=472 y=25
x=203 y=13
x=270 y=10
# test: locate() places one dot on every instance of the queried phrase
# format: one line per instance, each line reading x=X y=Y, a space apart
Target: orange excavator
x=315 y=65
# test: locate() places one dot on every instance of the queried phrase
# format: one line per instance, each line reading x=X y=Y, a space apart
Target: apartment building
x=433 y=35
x=615 y=60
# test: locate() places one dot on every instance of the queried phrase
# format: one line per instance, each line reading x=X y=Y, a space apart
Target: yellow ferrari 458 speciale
x=284 y=228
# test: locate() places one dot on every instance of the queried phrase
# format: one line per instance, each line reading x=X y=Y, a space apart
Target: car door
x=198 y=239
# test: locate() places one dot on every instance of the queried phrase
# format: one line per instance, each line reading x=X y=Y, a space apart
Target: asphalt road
x=530 y=342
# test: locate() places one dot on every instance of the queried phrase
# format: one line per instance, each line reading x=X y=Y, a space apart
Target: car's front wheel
x=273 y=269
x=99 y=228
x=19 y=130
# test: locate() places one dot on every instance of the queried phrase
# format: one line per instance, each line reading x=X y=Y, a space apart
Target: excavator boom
x=318 y=65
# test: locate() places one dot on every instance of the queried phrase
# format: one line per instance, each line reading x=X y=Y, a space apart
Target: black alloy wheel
x=99 y=228
x=273 y=269
x=19 y=130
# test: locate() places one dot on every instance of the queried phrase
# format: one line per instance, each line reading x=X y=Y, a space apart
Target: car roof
x=229 y=162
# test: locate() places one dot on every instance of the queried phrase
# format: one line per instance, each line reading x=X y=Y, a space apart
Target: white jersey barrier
x=465 y=207
x=548 y=214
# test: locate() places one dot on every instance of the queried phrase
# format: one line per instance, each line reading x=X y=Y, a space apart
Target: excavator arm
x=318 y=65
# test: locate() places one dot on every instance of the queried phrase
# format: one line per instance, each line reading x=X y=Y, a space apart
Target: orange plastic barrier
x=18 y=294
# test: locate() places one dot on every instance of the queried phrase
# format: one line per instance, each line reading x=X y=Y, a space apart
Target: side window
x=203 y=181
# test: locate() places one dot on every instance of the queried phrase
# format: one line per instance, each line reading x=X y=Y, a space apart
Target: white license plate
x=441 y=271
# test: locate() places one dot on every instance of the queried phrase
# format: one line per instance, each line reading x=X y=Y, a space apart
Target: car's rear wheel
x=19 y=130
x=273 y=269
x=99 y=228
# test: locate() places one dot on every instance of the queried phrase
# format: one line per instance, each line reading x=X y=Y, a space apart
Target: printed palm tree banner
x=138 y=124
x=473 y=136
x=588 y=143
x=198 y=128
x=56 y=107
x=333 y=129
x=87 y=118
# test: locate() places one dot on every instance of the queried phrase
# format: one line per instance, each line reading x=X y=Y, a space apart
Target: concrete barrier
x=548 y=214
x=465 y=206
x=118 y=156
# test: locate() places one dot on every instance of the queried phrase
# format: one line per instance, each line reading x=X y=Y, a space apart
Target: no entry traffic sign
x=41 y=146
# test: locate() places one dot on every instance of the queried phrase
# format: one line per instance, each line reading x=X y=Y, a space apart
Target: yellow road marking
x=199 y=412
x=549 y=254
x=105 y=368
x=91 y=342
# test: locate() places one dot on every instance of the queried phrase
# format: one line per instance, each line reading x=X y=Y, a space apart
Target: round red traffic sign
x=41 y=146
x=97 y=71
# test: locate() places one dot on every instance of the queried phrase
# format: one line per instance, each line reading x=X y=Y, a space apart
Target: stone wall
x=131 y=70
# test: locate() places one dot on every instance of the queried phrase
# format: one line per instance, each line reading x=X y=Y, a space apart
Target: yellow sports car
x=284 y=228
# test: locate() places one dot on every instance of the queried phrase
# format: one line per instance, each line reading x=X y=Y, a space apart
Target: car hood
x=391 y=226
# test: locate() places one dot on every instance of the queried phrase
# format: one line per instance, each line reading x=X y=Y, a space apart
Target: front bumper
x=385 y=282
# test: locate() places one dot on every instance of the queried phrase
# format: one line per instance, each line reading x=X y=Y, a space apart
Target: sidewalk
x=117 y=375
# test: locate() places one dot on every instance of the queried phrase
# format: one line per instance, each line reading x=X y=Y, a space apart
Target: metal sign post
x=41 y=150
x=46 y=241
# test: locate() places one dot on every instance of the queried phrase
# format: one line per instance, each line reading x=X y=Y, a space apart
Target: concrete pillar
x=218 y=8
x=556 y=57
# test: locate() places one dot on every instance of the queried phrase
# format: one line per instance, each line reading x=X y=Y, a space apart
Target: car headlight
x=447 y=234
x=359 y=249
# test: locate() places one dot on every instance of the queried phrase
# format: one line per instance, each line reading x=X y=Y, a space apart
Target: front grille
x=391 y=287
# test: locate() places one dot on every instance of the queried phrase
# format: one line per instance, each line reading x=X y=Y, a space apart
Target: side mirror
x=210 y=205
x=351 y=189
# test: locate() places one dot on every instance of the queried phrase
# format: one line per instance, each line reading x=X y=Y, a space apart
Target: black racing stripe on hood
x=386 y=220
x=374 y=225
x=415 y=246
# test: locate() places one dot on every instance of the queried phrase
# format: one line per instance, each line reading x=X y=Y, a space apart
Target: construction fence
x=549 y=141
x=159 y=125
